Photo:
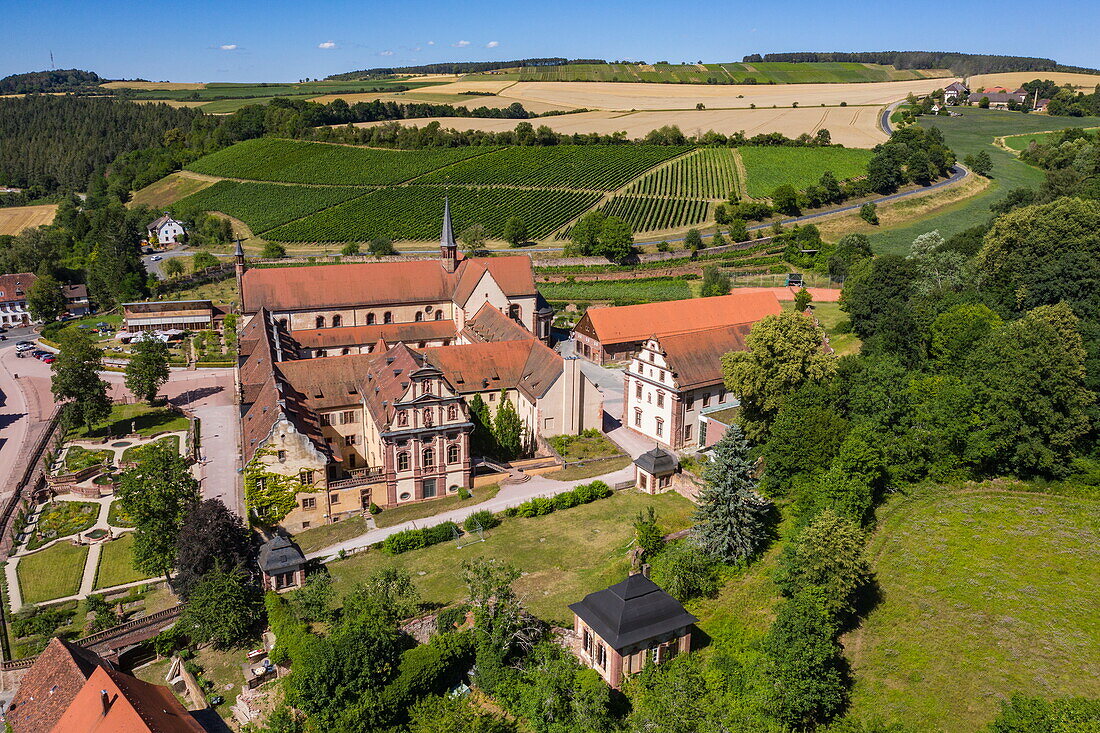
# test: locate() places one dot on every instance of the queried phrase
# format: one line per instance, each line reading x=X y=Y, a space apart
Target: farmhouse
x=163 y=315
x=366 y=402
x=674 y=380
x=616 y=334
x=13 y=299
x=76 y=299
x=999 y=97
x=165 y=230
x=955 y=92
x=452 y=289
x=632 y=624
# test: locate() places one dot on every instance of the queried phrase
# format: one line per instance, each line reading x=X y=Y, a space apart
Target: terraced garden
x=767 y=168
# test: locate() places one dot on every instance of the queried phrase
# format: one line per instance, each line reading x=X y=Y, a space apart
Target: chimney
x=105 y=699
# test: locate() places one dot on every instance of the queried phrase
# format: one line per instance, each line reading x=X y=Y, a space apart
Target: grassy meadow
x=767 y=168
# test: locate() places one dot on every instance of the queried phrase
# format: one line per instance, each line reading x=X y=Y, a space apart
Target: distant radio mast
x=52 y=64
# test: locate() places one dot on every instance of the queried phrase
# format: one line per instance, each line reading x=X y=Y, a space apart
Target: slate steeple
x=447 y=247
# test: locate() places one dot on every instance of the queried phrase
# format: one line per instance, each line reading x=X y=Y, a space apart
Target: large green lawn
x=137 y=417
x=564 y=555
x=116 y=563
x=52 y=573
x=970 y=133
x=984 y=593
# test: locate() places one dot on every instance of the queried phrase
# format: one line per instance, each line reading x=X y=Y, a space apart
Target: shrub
x=374 y=508
x=484 y=518
x=439 y=533
x=869 y=213
x=566 y=500
x=464 y=493
x=409 y=539
x=511 y=511
x=450 y=618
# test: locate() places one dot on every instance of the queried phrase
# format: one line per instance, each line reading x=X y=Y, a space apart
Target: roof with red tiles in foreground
x=113 y=702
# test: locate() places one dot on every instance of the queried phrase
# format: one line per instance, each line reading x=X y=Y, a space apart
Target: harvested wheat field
x=14 y=219
x=854 y=127
x=154 y=85
x=1013 y=79
x=609 y=95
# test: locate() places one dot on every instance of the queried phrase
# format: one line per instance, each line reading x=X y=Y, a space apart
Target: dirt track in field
x=15 y=219
x=855 y=127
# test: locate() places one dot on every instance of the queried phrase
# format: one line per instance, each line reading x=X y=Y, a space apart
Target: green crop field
x=263 y=206
x=767 y=168
x=412 y=212
x=586 y=167
x=709 y=173
x=984 y=593
x=1021 y=142
x=767 y=72
x=649 y=213
x=293 y=161
x=644 y=290
x=263 y=92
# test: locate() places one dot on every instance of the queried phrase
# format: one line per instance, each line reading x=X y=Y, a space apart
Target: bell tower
x=239 y=267
x=448 y=250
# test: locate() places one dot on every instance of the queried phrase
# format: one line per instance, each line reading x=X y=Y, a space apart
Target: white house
x=955 y=92
x=165 y=230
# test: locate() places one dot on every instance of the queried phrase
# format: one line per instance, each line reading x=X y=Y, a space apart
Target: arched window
x=428 y=458
x=387 y=317
x=402 y=461
x=439 y=315
x=428 y=417
x=452 y=412
x=515 y=312
x=320 y=322
x=370 y=319
x=402 y=418
x=337 y=321
x=419 y=316
x=452 y=454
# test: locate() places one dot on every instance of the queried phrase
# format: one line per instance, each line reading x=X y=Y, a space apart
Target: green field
x=116 y=563
x=642 y=290
x=264 y=206
x=649 y=213
x=970 y=133
x=413 y=212
x=1021 y=142
x=563 y=555
x=709 y=173
x=768 y=72
x=767 y=168
x=586 y=167
x=264 y=91
x=51 y=573
x=984 y=593
x=294 y=161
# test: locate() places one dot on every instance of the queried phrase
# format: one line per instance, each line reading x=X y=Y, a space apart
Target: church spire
x=447 y=247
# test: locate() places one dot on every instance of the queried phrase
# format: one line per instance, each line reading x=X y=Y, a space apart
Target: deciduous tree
x=616 y=239
x=507 y=429
x=210 y=534
x=147 y=370
x=45 y=301
x=826 y=555
x=223 y=607
x=515 y=231
x=76 y=379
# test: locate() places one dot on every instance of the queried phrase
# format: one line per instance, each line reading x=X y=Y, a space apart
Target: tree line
x=57 y=80
x=962 y=64
x=456 y=67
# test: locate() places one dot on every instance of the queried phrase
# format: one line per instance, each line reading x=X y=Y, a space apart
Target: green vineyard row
x=709 y=173
x=263 y=206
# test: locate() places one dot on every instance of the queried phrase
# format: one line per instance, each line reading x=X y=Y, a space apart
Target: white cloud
x=228 y=47
x=417 y=48
x=431 y=43
x=385 y=53
x=462 y=44
x=327 y=44
x=492 y=44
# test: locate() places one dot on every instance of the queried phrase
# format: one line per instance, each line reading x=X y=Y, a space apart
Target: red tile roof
x=14 y=287
x=112 y=702
x=489 y=324
x=626 y=324
x=379 y=283
x=50 y=685
x=321 y=338
x=695 y=358
x=528 y=365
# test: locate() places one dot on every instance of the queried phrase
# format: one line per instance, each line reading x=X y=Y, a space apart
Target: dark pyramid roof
x=657 y=461
x=447 y=239
x=280 y=554
x=632 y=611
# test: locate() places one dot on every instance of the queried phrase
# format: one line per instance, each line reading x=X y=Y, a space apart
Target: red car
x=49 y=359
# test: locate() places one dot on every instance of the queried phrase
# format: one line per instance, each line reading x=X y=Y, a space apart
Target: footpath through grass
x=972 y=132
x=564 y=555
x=985 y=593
x=52 y=573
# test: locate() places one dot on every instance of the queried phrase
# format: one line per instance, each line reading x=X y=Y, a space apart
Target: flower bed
x=133 y=454
x=61 y=519
x=78 y=458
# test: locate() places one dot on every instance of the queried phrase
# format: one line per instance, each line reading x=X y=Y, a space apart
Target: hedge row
x=582 y=494
x=414 y=539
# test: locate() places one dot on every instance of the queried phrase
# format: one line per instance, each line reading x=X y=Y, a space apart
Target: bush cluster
x=582 y=494
x=414 y=539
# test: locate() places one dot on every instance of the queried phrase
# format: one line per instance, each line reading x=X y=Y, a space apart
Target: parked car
x=24 y=347
x=24 y=343
x=156 y=258
x=49 y=359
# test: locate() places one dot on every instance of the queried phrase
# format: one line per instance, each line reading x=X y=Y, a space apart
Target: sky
x=252 y=40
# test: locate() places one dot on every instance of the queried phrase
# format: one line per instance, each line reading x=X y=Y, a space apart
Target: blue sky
x=250 y=40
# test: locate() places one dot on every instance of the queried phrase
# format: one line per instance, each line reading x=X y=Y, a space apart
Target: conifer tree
x=481 y=440
x=508 y=429
x=732 y=518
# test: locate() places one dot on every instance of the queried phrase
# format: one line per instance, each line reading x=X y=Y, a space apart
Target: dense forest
x=63 y=80
x=963 y=64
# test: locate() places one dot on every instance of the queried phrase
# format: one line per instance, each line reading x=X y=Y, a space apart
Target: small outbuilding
x=283 y=565
x=653 y=470
x=629 y=625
